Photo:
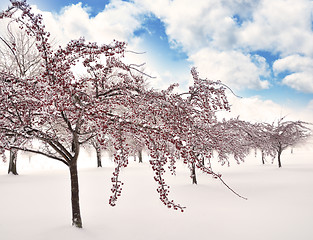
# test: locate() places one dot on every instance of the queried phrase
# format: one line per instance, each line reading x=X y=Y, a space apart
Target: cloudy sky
x=262 y=49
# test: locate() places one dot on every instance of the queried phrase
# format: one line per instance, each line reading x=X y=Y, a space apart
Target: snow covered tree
x=238 y=138
x=95 y=144
x=226 y=138
x=136 y=147
x=272 y=139
x=63 y=111
x=250 y=136
x=19 y=57
x=284 y=134
x=59 y=110
x=232 y=138
x=261 y=140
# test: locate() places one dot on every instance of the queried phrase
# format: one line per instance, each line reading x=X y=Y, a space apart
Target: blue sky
x=260 y=48
x=96 y=6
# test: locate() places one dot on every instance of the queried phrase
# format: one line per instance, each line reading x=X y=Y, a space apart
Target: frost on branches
x=19 y=57
x=63 y=111
x=270 y=139
x=284 y=134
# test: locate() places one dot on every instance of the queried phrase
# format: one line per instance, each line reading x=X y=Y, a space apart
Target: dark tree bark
x=193 y=174
x=202 y=161
x=96 y=145
x=140 y=156
x=278 y=156
x=99 y=163
x=76 y=217
x=263 y=157
x=12 y=163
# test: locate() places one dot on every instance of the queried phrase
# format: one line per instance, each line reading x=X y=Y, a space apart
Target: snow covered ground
x=36 y=204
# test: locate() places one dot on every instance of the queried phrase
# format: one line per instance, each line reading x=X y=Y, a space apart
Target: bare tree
x=20 y=58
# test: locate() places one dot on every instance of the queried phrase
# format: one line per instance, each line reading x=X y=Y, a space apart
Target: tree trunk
x=202 y=161
x=76 y=218
x=193 y=174
x=12 y=163
x=278 y=156
x=140 y=156
x=263 y=158
x=99 y=163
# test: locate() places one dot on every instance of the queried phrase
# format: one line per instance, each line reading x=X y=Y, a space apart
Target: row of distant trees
x=270 y=139
x=239 y=138
x=43 y=100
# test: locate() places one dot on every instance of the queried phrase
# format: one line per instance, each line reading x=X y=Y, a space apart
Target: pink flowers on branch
x=63 y=111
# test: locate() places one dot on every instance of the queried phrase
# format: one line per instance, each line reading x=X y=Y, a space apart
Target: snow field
x=36 y=204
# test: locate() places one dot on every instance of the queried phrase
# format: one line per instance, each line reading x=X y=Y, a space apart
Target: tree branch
x=41 y=153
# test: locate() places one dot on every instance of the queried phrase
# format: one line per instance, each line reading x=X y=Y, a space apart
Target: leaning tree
x=63 y=111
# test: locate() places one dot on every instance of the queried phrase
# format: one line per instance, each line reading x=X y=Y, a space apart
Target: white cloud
x=72 y=23
x=237 y=70
x=217 y=35
x=233 y=28
x=280 y=26
x=117 y=21
x=302 y=81
x=299 y=70
x=294 y=63
x=255 y=109
x=195 y=24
